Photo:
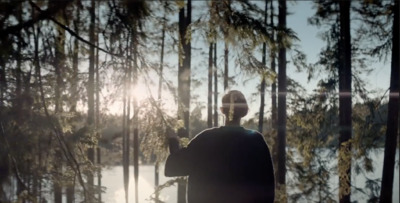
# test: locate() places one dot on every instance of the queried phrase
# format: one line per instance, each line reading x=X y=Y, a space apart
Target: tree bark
x=263 y=84
x=59 y=66
x=345 y=111
x=226 y=63
x=90 y=92
x=75 y=62
x=273 y=91
x=18 y=73
x=184 y=75
x=160 y=82
x=215 y=85
x=393 y=114
x=136 y=110
x=59 y=63
x=282 y=89
x=98 y=149
x=124 y=139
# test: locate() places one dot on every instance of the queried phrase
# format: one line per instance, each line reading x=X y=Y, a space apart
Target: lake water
x=113 y=180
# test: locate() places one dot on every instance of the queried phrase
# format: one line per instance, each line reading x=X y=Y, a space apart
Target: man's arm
x=178 y=161
x=265 y=171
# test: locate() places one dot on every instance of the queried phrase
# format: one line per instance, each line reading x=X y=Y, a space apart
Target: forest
x=89 y=85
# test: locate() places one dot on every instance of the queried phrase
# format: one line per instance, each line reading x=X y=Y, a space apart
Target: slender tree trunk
x=184 y=70
x=98 y=149
x=36 y=33
x=210 y=75
x=59 y=65
x=345 y=114
x=184 y=75
x=124 y=141
x=344 y=162
x=90 y=92
x=226 y=68
x=75 y=61
x=70 y=192
x=18 y=74
x=273 y=92
x=393 y=114
x=57 y=177
x=226 y=48
x=160 y=81
x=127 y=123
x=281 y=173
x=215 y=86
x=263 y=84
x=136 y=161
x=136 y=118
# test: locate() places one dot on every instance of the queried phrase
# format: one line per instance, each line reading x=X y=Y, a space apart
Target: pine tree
x=393 y=113
x=184 y=77
x=345 y=105
x=91 y=93
x=281 y=122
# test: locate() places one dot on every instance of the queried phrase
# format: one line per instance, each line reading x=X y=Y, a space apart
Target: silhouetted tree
x=281 y=122
x=392 y=126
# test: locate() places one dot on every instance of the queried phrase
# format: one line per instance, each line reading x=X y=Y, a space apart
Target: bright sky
x=310 y=43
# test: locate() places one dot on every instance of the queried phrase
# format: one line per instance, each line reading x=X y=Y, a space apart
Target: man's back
x=226 y=164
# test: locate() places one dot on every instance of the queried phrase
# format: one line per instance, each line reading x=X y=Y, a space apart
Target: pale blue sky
x=310 y=43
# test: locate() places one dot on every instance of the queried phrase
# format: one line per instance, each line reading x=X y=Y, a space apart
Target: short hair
x=234 y=105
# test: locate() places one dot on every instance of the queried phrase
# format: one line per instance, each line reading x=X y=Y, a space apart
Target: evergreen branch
x=66 y=150
x=73 y=33
x=43 y=15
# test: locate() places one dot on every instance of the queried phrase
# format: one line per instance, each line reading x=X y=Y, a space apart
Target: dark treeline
x=89 y=84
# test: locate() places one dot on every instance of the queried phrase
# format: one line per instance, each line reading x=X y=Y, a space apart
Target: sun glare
x=141 y=92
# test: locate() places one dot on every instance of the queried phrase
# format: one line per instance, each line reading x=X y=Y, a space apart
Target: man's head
x=234 y=105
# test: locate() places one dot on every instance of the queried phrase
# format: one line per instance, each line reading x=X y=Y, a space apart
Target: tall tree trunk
x=160 y=81
x=59 y=66
x=281 y=173
x=75 y=60
x=184 y=75
x=18 y=73
x=124 y=140
x=344 y=162
x=345 y=111
x=227 y=5
x=273 y=91
x=393 y=114
x=59 y=63
x=226 y=63
x=98 y=149
x=127 y=110
x=263 y=84
x=127 y=120
x=90 y=92
x=210 y=79
x=135 y=44
x=215 y=85
x=57 y=177
x=36 y=33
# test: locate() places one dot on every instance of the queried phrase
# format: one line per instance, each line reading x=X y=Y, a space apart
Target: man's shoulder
x=252 y=132
x=208 y=131
x=205 y=133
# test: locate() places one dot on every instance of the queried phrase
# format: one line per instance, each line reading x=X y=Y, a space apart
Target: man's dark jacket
x=225 y=164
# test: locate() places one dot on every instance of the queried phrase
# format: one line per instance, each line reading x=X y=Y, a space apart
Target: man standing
x=225 y=164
